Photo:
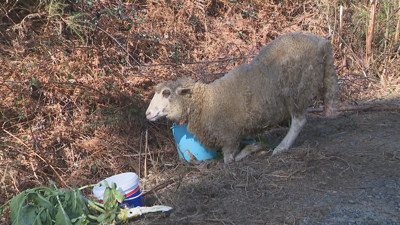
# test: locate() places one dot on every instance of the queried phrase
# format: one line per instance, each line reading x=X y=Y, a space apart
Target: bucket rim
x=139 y=195
x=123 y=182
x=174 y=125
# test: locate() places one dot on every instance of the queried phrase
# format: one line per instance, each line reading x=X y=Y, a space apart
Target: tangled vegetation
x=76 y=76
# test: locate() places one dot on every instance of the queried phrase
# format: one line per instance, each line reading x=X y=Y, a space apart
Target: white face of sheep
x=166 y=103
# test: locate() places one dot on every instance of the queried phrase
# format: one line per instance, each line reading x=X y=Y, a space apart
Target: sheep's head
x=169 y=99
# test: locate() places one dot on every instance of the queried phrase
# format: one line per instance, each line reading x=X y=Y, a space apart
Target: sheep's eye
x=166 y=93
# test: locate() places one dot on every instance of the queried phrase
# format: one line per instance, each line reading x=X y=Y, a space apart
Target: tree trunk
x=370 y=31
x=396 y=35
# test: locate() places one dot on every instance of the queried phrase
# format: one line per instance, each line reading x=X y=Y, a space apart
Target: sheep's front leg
x=295 y=128
x=229 y=153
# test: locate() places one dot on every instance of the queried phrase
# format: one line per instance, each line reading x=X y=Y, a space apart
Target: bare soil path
x=340 y=171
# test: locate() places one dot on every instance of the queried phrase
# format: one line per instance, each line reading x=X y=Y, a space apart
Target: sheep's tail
x=331 y=88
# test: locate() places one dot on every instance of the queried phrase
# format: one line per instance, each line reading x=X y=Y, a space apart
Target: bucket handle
x=141 y=193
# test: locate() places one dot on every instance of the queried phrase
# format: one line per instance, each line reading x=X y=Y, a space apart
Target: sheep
x=277 y=85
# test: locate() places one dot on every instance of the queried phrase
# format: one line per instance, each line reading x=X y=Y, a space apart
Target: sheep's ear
x=182 y=91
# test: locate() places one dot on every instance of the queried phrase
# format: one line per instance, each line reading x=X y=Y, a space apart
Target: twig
x=354 y=74
x=375 y=107
x=341 y=20
x=145 y=151
x=136 y=155
x=140 y=152
x=34 y=172
x=28 y=121
x=387 y=21
x=160 y=186
x=352 y=80
x=4 y=175
x=202 y=62
x=64 y=83
x=49 y=56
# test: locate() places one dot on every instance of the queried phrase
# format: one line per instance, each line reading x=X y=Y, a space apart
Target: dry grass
x=73 y=100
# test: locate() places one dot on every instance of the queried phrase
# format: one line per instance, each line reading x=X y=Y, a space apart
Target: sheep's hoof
x=331 y=113
x=278 y=150
x=263 y=152
x=255 y=147
x=228 y=158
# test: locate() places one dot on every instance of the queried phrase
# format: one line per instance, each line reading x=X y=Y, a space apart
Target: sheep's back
x=295 y=63
x=278 y=83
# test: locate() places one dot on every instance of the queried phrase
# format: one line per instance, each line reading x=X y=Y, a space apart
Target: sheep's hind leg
x=297 y=124
x=255 y=147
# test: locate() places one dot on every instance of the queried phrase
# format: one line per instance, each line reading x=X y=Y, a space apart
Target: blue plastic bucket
x=185 y=143
x=128 y=185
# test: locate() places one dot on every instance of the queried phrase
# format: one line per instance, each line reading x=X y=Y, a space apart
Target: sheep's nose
x=148 y=113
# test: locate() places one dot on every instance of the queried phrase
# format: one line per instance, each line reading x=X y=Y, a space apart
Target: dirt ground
x=339 y=171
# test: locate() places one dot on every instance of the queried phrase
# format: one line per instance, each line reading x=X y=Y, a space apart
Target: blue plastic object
x=185 y=142
x=133 y=200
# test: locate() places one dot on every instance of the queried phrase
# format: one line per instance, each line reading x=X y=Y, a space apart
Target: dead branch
x=160 y=186
x=202 y=62
x=353 y=80
x=396 y=35
x=372 y=107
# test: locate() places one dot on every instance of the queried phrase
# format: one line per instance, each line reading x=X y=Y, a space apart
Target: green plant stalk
x=87 y=186
x=5 y=204
x=92 y=217
x=96 y=207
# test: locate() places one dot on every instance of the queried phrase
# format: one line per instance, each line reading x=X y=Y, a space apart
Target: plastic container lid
x=126 y=183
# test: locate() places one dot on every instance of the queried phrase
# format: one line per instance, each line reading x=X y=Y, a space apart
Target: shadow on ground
x=340 y=171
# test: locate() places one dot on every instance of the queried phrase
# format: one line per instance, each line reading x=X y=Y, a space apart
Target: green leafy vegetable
x=50 y=205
